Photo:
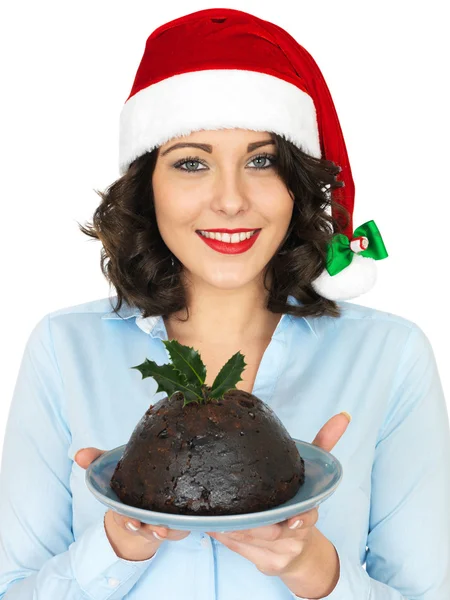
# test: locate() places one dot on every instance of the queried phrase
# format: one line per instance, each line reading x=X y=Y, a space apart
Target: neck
x=232 y=315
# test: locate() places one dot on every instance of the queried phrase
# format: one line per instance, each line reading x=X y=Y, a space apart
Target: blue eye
x=188 y=159
x=196 y=159
x=265 y=156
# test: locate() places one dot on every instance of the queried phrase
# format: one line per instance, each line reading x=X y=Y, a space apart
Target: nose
x=229 y=196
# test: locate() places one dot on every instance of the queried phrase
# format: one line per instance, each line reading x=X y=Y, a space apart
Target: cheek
x=175 y=212
x=277 y=209
x=176 y=222
x=176 y=204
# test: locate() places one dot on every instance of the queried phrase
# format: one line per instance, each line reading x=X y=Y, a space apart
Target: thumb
x=85 y=456
x=332 y=431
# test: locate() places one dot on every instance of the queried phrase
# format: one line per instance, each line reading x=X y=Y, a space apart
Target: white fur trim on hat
x=356 y=279
x=216 y=99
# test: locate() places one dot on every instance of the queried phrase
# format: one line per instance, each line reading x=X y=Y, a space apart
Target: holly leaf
x=169 y=379
x=228 y=376
x=188 y=362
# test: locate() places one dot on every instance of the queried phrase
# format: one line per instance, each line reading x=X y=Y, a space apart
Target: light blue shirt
x=76 y=388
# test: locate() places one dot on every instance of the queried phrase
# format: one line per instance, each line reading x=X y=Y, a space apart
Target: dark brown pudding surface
x=228 y=456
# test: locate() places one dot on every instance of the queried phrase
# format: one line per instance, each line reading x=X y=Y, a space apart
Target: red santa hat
x=222 y=68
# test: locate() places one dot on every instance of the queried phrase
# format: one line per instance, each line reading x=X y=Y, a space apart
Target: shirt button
x=113 y=582
x=205 y=541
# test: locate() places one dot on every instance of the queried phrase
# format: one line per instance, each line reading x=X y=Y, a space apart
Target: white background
x=67 y=69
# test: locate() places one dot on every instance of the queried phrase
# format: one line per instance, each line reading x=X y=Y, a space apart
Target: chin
x=226 y=281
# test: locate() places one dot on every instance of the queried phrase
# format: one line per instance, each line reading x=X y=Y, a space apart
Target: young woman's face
x=219 y=186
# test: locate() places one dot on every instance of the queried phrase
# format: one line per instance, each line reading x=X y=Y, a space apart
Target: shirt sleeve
x=408 y=543
x=39 y=557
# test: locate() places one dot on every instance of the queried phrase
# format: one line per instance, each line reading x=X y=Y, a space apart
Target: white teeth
x=226 y=237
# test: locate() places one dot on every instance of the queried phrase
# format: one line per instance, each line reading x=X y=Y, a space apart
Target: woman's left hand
x=280 y=549
x=273 y=549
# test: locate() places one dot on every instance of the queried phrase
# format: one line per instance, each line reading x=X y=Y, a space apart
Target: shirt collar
x=151 y=325
x=155 y=327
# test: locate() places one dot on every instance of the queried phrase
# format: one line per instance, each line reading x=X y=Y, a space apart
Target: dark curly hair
x=145 y=273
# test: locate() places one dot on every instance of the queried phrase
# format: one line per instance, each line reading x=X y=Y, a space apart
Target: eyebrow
x=208 y=147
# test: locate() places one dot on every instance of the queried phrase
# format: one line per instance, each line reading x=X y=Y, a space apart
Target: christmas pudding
x=206 y=450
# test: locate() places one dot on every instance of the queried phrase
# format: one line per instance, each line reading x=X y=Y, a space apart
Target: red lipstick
x=227 y=247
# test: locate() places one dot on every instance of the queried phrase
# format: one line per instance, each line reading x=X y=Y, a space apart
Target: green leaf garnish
x=187 y=374
x=228 y=376
x=169 y=380
x=187 y=361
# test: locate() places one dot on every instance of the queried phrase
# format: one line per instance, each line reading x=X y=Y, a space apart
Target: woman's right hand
x=129 y=538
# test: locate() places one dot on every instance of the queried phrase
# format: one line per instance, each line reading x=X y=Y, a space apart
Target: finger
x=277 y=531
x=332 y=431
x=150 y=532
x=175 y=535
x=287 y=544
x=268 y=533
x=303 y=520
x=165 y=533
x=269 y=559
x=85 y=456
x=135 y=527
x=271 y=533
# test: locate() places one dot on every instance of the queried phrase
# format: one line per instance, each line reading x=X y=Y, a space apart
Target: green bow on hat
x=340 y=254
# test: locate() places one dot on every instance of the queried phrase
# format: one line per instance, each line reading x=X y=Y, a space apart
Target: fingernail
x=348 y=415
x=131 y=526
x=75 y=457
x=158 y=537
x=297 y=523
x=222 y=531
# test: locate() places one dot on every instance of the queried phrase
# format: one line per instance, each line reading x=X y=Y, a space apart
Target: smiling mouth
x=230 y=238
x=229 y=243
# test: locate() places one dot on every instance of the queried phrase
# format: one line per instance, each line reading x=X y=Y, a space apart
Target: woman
x=199 y=154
